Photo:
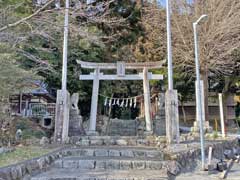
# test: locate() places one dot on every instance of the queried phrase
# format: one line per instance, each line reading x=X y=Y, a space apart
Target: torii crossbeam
x=121 y=68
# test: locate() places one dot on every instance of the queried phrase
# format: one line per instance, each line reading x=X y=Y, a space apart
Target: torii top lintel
x=139 y=65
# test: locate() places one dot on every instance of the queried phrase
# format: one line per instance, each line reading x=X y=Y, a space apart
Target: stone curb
x=31 y=167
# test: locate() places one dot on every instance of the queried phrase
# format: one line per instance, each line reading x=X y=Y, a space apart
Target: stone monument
x=75 y=120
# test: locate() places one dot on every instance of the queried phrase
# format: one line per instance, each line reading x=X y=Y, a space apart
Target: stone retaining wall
x=189 y=157
x=23 y=170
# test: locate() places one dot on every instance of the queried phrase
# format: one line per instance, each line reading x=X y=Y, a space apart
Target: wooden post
x=210 y=155
x=221 y=115
x=147 y=102
x=94 y=102
x=20 y=102
x=142 y=109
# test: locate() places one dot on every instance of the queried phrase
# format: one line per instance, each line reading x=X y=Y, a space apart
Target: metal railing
x=40 y=110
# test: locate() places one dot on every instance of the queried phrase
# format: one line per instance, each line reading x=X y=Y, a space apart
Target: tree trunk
x=183 y=111
x=226 y=94
x=204 y=77
x=109 y=117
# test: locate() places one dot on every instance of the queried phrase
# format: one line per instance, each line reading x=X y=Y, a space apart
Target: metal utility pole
x=169 y=46
x=171 y=98
x=65 y=49
x=198 y=93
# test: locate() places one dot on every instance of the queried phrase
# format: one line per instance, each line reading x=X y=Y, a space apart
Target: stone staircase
x=108 y=162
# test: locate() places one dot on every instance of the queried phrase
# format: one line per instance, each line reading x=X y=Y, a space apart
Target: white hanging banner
x=114 y=102
x=122 y=103
x=105 y=102
x=118 y=102
x=135 y=102
x=131 y=102
x=126 y=105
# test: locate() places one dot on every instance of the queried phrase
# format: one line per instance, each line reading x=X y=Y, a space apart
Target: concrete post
x=172 y=117
x=221 y=114
x=147 y=102
x=196 y=126
x=94 y=102
x=62 y=117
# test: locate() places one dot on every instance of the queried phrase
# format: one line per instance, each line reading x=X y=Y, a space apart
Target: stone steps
x=113 y=140
x=105 y=163
x=113 y=151
x=67 y=174
x=112 y=157
x=108 y=163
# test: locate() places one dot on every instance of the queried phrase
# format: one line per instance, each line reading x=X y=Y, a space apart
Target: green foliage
x=31 y=133
x=12 y=77
x=215 y=135
x=30 y=129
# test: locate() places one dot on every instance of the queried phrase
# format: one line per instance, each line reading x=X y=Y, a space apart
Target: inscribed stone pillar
x=172 y=117
x=147 y=102
x=62 y=117
x=94 y=102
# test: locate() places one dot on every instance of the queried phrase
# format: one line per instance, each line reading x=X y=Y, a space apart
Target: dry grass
x=21 y=154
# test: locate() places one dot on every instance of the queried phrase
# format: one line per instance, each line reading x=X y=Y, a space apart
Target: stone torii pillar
x=94 y=102
x=147 y=101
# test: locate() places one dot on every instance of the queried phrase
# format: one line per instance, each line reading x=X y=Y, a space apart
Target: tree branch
x=26 y=18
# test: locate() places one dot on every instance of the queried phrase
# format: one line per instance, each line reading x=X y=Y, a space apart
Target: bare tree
x=218 y=37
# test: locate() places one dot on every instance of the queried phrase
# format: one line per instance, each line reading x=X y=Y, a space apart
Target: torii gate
x=97 y=75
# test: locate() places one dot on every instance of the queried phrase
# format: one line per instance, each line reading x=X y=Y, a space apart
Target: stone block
x=100 y=164
x=32 y=166
x=96 y=142
x=109 y=142
x=14 y=173
x=154 y=165
x=142 y=142
x=139 y=164
x=87 y=152
x=41 y=163
x=113 y=164
x=121 y=142
x=70 y=164
x=86 y=164
x=101 y=152
x=132 y=142
x=5 y=174
x=27 y=177
x=114 y=153
x=153 y=154
x=127 y=153
x=125 y=165
x=23 y=168
x=139 y=153
x=83 y=142
x=58 y=164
